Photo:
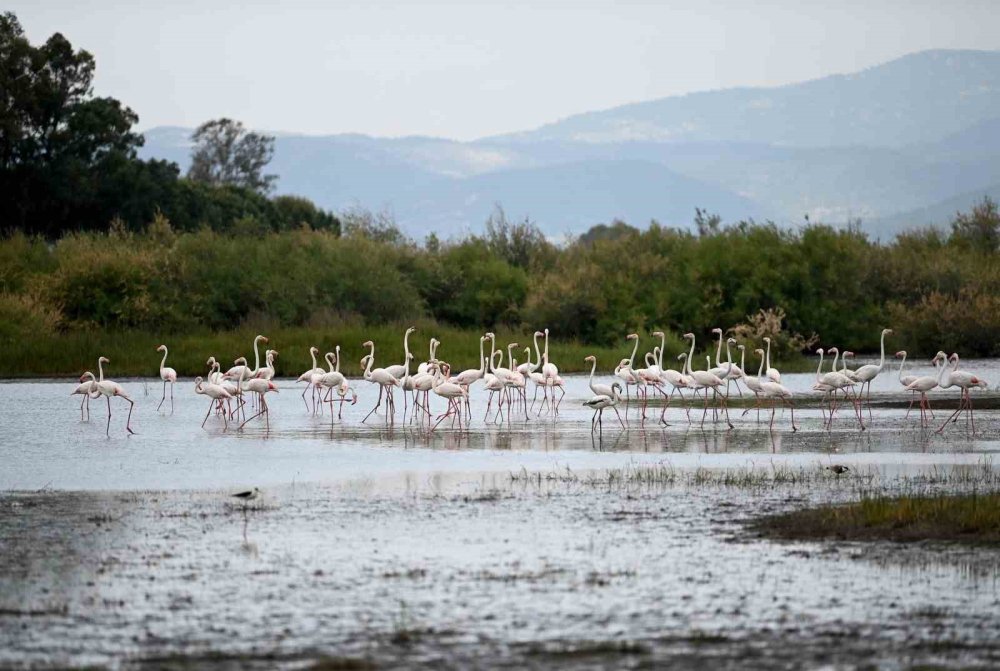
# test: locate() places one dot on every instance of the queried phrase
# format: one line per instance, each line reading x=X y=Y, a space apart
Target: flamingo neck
x=760 y=370
x=768 y=354
x=406 y=348
x=546 y=355
x=881 y=359
x=163 y=362
x=337 y=349
x=100 y=369
x=482 y=359
x=329 y=360
x=593 y=368
x=902 y=365
x=312 y=353
x=493 y=352
x=663 y=346
x=690 y=356
x=718 y=352
x=836 y=355
x=631 y=359
x=256 y=356
x=819 y=368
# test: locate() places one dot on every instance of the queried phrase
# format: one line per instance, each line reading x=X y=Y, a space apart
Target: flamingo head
x=886 y=332
x=369 y=343
x=411 y=329
x=512 y=345
x=590 y=358
x=901 y=353
x=848 y=353
x=760 y=352
x=161 y=348
x=953 y=358
x=731 y=341
x=717 y=330
x=241 y=361
x=819 y=351
x=85 y=375
x=314 y=350
x=198 y=380
x=741 y=347
x=632 y=336
x=833 y=350
x=538 y=334
x=546 y=334
x=766 y=339
x=330 y=356
x=274 y=353
x=364 y=360
x=211 y=361
x=409 y=356
x=104 y=359
x=689 y=336
x=682 y=355
x=623 y=362
x=261 y=338
x=617 y=386
x=657 y=334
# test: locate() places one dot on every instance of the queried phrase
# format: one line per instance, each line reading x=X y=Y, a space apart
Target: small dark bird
x=248 y=495
x=837 y=468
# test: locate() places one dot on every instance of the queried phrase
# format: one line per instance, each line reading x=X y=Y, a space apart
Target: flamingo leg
x=108 y=430
x=164 y=397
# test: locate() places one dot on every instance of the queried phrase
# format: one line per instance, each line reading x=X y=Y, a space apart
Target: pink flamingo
x=922 y=385
x=109 y=388
x=85 y=389
x=167 y=375
x=385 y=381
x=217 y=395
x=964 y=381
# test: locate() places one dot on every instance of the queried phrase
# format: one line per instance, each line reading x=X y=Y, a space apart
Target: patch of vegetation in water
x=964 y=518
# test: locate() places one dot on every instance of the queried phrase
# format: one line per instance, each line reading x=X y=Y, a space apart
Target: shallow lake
x=501 y=545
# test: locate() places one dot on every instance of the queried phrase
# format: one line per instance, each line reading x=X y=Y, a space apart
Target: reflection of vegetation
x=965 y=518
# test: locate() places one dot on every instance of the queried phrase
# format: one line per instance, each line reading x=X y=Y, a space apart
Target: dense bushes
x=822 y=285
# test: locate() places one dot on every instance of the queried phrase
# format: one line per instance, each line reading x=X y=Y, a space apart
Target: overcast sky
x=466 y=69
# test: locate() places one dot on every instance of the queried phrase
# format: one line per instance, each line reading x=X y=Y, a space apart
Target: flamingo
x=601 y=401
x=549 y=370
x=727 y=373
x=398 y=370
x=216 y=393
x=234 y=372
x=267 y=372
x=964 y=381
x=866 y=374
x=213 y=377
x=772 y=373
x=424 y=367
x=385 y=380
x=450 y=391
x=678 y=381
x=624 y=369
x=754 y=383
x=85 y=388
x=527 y=368
x=778 y=392
x=906 y=380
x=109 y=388
x=923 y=385
x=167 y=375
x=307 y=377
x=472 y=375
x=606 y=390
x=260 y=386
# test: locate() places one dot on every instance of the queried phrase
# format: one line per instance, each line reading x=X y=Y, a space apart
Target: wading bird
x=167 y=375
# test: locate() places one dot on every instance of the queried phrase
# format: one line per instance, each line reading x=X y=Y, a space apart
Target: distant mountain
x=884 y=145
x=916 y=98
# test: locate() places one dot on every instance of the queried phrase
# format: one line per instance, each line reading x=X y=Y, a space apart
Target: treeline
x=821 y=285
x=68 y=159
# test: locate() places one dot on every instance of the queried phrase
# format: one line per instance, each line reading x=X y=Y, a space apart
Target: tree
x=226 y=154
x=979 y=229
x=706 y=224
x=57 y=140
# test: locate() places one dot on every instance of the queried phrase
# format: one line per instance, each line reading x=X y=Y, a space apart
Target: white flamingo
x=964 y=381
x=85 y=388
x=866 y=374
x=167 y=375
x=107 y=389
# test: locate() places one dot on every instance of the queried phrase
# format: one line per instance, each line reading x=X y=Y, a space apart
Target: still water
x=390 y=545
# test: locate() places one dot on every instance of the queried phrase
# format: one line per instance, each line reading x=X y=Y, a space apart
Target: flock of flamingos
x=233 y=391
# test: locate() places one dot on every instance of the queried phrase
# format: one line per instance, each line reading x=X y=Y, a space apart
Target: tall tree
x=226 y=153
x=56 y=138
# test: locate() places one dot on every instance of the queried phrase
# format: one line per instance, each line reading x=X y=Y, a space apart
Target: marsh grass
x=969 y=517
x=663 y=474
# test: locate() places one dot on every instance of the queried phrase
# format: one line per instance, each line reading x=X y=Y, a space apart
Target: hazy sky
x=470 y=69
